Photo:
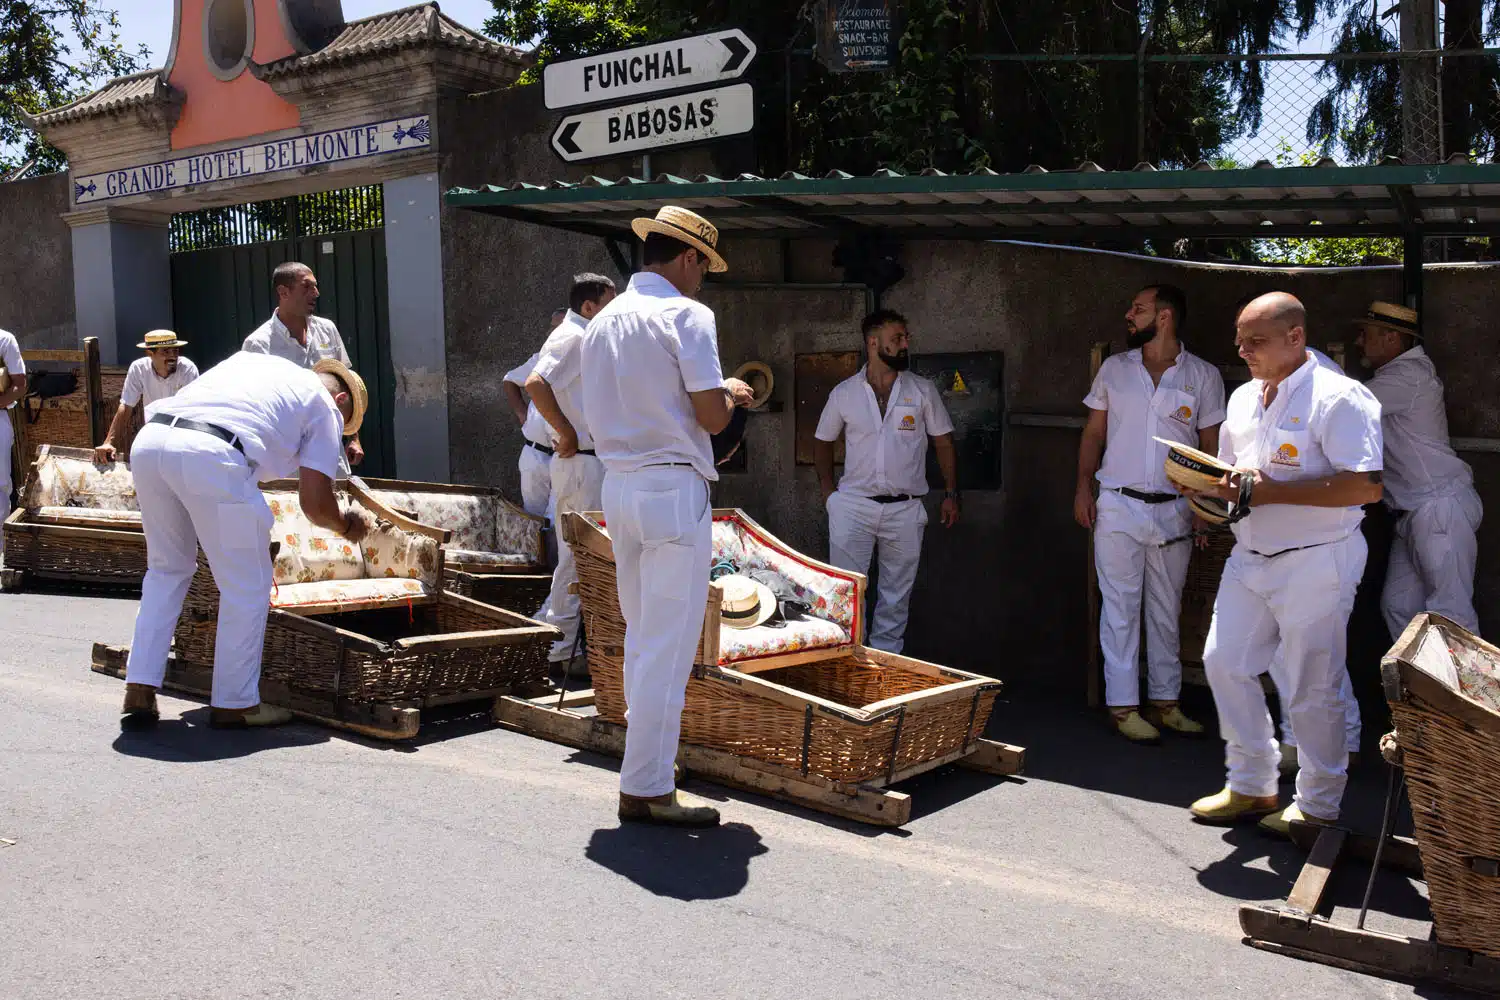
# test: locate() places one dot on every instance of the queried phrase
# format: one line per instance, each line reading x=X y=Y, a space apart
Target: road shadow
x=689 y=865
x=189 y=740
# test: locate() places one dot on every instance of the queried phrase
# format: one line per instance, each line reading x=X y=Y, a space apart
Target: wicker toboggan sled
x=1443 y=685
x=806 y=712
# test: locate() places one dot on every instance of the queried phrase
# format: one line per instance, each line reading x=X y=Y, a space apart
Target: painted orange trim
x=218 y=111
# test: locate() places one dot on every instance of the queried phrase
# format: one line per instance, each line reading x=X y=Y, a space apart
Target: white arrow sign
x=663 y=121
x=698 y=61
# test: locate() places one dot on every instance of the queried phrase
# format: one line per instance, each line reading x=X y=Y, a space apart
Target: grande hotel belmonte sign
x=268 y=156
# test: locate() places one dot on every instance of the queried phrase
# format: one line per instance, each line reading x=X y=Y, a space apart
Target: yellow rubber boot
x=252 y=718
x=1228 y=806
x=1168 y=715
x=1280 y=823
x=676 y=808
x=1129 y=724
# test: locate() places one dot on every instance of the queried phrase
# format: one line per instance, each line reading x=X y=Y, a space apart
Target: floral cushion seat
x=316 y=568
x=85 y=517
x=832 y=596
x=68 y=477
x=486 y=530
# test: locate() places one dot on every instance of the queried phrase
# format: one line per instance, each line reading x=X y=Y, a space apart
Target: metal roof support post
x=1411 y=272
x=625 y=266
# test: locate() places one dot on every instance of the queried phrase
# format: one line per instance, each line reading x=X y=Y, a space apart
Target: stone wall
x=36 y=264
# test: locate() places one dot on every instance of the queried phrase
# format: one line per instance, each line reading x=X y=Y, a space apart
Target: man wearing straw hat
x=1155 y=390
x=196 y=464
x=1300 y=450
x=535 y=461
x=1429 y=487
x=159 y=375
x=296 y=333
x=12 y=388
x=654 y=391
x=577 y=474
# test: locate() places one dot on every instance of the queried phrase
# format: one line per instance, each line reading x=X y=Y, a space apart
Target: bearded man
x=1156 y=391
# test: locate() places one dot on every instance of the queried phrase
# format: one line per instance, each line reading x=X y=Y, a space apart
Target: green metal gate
x=222 y=261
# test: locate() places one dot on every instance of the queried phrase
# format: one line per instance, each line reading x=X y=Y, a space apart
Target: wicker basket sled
x=365 y=654
x=495 y=555
x=77 y=524
x=1443 y=685
x=807 y=713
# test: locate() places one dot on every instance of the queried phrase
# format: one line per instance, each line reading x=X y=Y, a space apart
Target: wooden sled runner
x=805 y=713
x=1443 y=684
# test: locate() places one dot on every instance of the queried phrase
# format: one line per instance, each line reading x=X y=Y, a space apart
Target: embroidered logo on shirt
x=1296 y=420
x=1287 y=455
x=1183 y=415
x=909 y=422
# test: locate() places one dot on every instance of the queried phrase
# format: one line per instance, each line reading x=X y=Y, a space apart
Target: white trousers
x=536 y=481
x=661 y=525
x=1134 y=567
x=1348 y=706
x=1432 y=562
x=7 y=439
x=196 y=490
x=577 y=484
x=858 y=528
x=1300 y=602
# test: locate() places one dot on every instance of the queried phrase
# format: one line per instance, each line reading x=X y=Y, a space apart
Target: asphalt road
x=300 y=863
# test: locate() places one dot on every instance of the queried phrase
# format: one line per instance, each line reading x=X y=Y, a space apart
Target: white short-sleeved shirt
x=143 y=385
x=561 y=364
x=10 y=356
x=323 y=341
x=1189 y=398
x=884 y=455
x=534 y=427
x=642 y=355
x=1319 y=424
x=1420 y=463
x=280 y=411
x=1325 y=360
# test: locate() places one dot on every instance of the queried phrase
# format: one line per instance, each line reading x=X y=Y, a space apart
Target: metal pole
x=645 y=166
x=1411 y=271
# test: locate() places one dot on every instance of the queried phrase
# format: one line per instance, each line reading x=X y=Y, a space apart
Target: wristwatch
x=950 y=494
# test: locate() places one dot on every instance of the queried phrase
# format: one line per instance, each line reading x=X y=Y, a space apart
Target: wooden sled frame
x=369 y=485
x=1295 y=929
x=868 y=802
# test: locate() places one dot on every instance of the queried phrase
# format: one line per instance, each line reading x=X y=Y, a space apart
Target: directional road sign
x=698 y=61
x=660 y=122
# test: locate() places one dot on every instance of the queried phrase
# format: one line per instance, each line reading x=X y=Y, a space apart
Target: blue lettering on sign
x=247 y=161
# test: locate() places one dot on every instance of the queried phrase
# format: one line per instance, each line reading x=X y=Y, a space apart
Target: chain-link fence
x=1286 y=108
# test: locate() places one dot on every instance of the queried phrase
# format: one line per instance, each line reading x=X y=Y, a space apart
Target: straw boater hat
x=358 y=396
x=746 y=604
x=1214 y=510
x=157 y=339
x=685 y=227
x=1389 y=316
x=759 y=378
x=1197 y=470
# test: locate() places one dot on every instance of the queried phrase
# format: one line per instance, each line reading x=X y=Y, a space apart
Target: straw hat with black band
x=685 y=227
x=761 y=380
x=157 y=339
x=1389 y=316
x=1198 y=470
x=359 y=398
x=746 y=603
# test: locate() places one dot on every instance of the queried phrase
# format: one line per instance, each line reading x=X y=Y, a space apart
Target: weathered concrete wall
x=36 y=264
x=1004 y=591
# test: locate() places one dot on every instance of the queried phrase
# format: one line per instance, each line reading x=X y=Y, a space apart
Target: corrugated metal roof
x=423 y=24
x=123 y=94
x=1454 y=198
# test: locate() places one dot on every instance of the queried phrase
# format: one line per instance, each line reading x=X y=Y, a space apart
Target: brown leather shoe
x=676 y=808
x=248 y=718
x=139 y=712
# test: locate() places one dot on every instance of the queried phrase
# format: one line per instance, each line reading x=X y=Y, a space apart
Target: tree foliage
x=52 y=51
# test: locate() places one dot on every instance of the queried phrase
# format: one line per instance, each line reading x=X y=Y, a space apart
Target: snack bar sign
x=303 y=152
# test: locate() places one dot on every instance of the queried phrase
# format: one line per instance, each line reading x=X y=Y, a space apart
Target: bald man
x=1307 y=440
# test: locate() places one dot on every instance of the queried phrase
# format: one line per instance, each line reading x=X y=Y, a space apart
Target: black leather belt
x=1282 y=552
x=228 y=437
x=548 y=451
x=897 y=498
x=1144 y=497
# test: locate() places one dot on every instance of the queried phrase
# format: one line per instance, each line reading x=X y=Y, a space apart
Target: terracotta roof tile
x=139 y=90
